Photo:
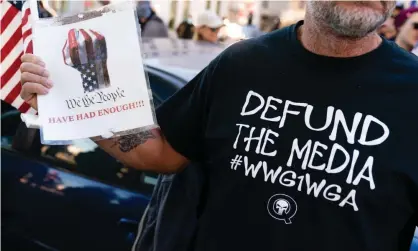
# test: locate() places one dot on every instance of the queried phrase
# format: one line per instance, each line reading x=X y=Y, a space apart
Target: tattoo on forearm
x=128 y=142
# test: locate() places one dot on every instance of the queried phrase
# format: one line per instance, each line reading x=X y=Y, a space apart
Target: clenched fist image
x=86 y=51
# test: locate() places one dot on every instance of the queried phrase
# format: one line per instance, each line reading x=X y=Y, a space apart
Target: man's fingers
x=30 y=88
x=28 y=77
x=34 y=79
x=34 y=68
x=30 y=58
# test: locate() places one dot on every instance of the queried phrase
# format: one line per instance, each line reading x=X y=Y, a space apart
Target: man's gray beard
x=346 y=23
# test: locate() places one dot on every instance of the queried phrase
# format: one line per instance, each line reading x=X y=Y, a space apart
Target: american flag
x=85 y=50
x=16 y=37
x=88 y=77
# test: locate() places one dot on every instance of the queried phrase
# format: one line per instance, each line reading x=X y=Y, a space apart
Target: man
x=316 y=151
x=415 y=50
x=398 y=8
x=151 y=25
x=250 y=30
x=388 y=30
x=407 y=25
x=208 y=26
x=45 y=12
x=185 y=30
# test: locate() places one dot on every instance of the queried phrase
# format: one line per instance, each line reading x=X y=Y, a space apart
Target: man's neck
x=322 y=41
x=401 y=44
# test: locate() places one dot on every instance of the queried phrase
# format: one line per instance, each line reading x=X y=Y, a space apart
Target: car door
x=73 y=197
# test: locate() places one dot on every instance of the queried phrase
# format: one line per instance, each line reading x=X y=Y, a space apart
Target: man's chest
x=342 y=148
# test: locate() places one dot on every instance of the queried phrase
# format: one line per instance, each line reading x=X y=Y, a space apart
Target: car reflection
x=83 y=157
x=66 y=184
x=50 y=182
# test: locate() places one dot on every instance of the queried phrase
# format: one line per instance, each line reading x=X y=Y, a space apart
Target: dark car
x=72 y=197
x=77 y=197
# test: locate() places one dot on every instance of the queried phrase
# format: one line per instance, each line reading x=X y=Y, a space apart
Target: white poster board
x=99 y=81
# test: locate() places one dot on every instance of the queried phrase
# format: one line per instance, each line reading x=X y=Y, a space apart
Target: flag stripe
x=15 y=53
x=13 y=94
x=8 y=31
x=8 y=74
x=25 y=18
x=18 y=102
x=81 y=45
x=66 y=54
x=10 y=44
x=26 y=34
x=95 y=44
x=89 y=45
x=9 y=86
x=24 y=107
x=25 y=41
x=7 y=17
x=72 y=44
x=16 y=35
x=98 y=35
x=29 y=48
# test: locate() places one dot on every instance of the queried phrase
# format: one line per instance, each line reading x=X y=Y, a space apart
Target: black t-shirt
x=302 y=152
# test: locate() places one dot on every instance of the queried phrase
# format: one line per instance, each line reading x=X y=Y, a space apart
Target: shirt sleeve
x=182 y=118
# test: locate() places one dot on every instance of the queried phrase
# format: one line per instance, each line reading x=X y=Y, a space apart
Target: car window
x=161 y=88
x=85 y=158
x=157 y=100
x=10 y=120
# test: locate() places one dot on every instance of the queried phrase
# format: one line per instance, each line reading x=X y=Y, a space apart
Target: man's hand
x=34 y=79
x=145 y=150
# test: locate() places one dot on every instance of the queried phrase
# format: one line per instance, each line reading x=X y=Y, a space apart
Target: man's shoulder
x=259 y=48
x=403 y=60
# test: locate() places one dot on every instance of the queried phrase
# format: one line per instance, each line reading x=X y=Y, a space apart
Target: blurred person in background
x=398 y=8
x=223 y=32
x=407 y=25
x=415 y=50
x=250 y=30
x=45 y=12
x=208 y=25
x=151 y=24
x=186 y=29
x=388 y=29
x=277 y=25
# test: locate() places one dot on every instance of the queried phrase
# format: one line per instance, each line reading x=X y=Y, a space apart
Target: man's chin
x=351 y=33
x=363 y=5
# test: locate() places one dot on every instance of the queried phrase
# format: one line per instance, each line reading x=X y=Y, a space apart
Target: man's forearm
x=129 y=142
x=147 y=150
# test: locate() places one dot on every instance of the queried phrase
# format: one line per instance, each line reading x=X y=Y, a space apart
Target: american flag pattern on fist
x=85 y=50
x=88 y=76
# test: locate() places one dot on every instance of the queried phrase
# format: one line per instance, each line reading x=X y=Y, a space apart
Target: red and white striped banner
x=16 y=37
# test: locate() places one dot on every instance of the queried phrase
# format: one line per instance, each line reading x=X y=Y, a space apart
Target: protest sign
x=95 y=62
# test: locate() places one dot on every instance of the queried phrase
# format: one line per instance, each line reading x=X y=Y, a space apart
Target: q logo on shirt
x=282 y=207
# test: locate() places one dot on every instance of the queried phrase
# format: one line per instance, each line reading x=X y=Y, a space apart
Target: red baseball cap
x=401 y=18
